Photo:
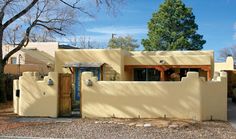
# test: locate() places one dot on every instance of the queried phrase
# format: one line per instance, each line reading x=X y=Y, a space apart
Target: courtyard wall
x=190 y=98
x=37 y=98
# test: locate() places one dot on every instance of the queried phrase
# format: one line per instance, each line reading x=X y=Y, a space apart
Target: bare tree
x=83 y=42
x=227 y=51
x=22 y=19
x=44 y=36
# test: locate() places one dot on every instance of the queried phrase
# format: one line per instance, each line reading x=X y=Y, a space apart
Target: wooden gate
x=64 y=94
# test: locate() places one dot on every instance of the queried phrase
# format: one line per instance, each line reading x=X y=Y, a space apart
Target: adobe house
x=118 y=83
x=137 y=65
x=35 y=57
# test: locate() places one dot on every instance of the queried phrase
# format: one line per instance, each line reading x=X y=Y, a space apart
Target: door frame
x=78 y=72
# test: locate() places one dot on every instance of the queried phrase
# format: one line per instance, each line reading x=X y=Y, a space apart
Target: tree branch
x=57 y=30
x=22 y=43
x=75 y=7
x=72 y=6
x=49 y=21
x=3 y=8
x=24 y=11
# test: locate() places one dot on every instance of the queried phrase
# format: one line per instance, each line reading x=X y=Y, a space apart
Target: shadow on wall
x=171 y=58
x=111 y=57
x=166 y=59
x=43 y=69
x=37 y=98
x=184 y=99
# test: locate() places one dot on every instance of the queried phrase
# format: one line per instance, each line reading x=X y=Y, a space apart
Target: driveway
x=232 y=113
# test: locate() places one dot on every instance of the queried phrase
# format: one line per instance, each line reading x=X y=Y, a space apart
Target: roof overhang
x=83 y=65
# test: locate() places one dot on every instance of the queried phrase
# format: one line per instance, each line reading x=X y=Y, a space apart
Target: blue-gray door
x=96 y=72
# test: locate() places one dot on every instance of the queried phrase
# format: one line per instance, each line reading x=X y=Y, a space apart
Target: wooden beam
x=166 y=67
x=162 y=78
x=209 y=75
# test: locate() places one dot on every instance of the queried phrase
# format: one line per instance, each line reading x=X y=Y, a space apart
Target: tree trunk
x=3 y=93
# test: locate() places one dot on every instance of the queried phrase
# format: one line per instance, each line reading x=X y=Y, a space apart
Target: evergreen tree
x=173 y=27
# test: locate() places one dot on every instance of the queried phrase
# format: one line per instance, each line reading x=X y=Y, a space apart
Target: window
x=144 y=74
x=13 y=60
x=153 y=75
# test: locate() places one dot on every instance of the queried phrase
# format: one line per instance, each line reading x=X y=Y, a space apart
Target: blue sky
x=216 y=20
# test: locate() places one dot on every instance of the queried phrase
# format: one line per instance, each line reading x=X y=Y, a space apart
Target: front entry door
x=64 y=94
x=76 y=95
x=78 y=72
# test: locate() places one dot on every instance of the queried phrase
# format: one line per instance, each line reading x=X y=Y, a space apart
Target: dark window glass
x=153 y=75
x=139 y=74
x=144 y=74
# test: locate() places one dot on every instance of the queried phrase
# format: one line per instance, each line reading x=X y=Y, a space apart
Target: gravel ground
x=104 y=128
x=8 y=120
x=12 y=126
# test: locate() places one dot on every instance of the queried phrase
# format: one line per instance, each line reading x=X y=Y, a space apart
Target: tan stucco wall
x=227 y=65
x=176 y=58
x=14 y=68
x=170 y=57
x=15 y=99
x=36 y=97
x=48 y=47
x=45 y=55
x=118 y=58
x=214 y=98
x=170 y=60
x=125 y=99
x=111 y=57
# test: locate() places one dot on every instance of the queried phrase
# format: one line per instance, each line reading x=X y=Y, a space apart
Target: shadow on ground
x=232 y=113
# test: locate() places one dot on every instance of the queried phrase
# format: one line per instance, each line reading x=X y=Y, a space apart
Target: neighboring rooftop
x=39 y=55
x=64 y=46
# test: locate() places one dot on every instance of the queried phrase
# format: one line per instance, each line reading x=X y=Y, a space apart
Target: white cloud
x=103 y=34
x=120 y=30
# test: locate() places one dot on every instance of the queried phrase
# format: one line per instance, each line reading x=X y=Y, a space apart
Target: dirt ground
x=12 y=126
x=7 y=116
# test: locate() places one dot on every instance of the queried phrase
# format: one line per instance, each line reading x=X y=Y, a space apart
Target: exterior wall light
x=50 y=82
x=162 y=61
x=89 y=82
